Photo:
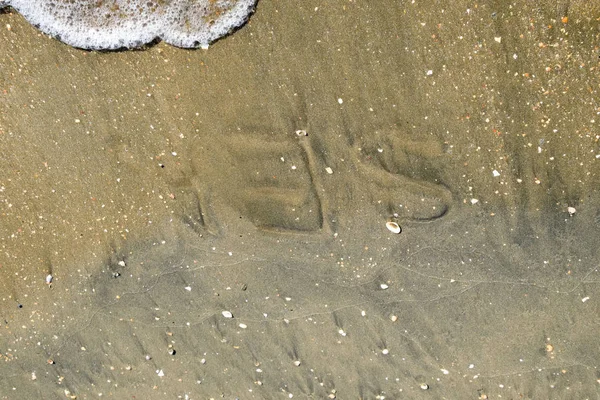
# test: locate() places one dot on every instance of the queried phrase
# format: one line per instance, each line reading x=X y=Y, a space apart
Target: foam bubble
x=113 y=24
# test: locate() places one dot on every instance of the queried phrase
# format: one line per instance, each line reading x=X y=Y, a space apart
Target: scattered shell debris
x=393 y=227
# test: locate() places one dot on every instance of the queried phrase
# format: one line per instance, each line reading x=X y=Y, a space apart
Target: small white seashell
x=495 y=173
x=329 y=170
x=49 y=279
x=383 y=286
x=393 y=227
x=424 y=386
x=121 y=263
x=385 y=351
x=243 y=326
x=297 y=363
x=227 y=314
x=160 y=372
x=571 y=210
x=301 y=132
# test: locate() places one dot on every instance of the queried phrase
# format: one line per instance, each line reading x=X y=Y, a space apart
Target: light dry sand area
x=214 y=221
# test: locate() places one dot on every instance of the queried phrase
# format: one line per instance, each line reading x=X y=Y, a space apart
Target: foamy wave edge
x=118 y=24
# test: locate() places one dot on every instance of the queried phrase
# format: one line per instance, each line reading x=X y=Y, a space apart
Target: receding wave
x=114 y=24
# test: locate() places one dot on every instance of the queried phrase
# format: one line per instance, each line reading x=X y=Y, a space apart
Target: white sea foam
x=113 y=24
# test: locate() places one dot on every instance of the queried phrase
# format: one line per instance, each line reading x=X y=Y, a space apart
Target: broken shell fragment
x=393 y=227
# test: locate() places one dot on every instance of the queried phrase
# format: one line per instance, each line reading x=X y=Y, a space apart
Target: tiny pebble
x=227 y=314
x=394 y=318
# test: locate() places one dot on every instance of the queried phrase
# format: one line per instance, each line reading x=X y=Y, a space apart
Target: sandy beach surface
x=213 y=222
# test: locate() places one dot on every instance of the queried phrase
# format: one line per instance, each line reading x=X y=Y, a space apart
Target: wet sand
x=162 y=187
